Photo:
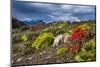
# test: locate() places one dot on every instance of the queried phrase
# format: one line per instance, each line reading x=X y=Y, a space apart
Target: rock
x=19 y=59
x=44 y=52
x=30 y=58
x=41 y=53
x=12 y=61
x=48 y=57
x=58 y=61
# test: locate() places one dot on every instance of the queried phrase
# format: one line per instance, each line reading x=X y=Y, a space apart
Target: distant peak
x=32 y=21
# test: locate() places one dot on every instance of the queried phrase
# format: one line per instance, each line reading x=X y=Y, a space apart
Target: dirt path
x=46 y=56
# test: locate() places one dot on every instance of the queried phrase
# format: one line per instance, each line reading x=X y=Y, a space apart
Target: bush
x=90 y=45
x=42 y=39
x=88 y=55
x=24 y=37
x=78 y=58
x=21 y=49
x=88 y=52
x=61 y=51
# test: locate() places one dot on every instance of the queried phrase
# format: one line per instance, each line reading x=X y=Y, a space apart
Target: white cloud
x=41 y=5
x=54 y=12
x=85 y=9
x=67 y=7
x=66 y=17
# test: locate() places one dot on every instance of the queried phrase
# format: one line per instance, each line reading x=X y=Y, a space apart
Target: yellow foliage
x=92 y=42
x=78 y=58
x=84 y=26
x=61 y=51
x=24 y=37
x=43 y=38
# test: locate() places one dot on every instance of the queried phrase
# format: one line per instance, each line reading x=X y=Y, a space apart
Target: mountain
x=29 y=21
x=16 y=23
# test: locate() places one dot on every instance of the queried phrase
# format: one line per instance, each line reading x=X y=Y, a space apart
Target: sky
x=52 y=12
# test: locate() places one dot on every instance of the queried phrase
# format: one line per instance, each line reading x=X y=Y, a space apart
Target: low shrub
x=42 y=39
x=61 y=51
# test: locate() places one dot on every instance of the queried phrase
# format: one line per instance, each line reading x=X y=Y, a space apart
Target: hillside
x=17 y=24
x=35 y=44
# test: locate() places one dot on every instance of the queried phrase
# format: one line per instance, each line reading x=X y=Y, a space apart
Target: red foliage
x=38 y=26
x=74 y=48
x=78 y=34
x=77 y=38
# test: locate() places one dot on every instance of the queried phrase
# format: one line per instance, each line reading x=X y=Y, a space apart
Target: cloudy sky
x=52 y=12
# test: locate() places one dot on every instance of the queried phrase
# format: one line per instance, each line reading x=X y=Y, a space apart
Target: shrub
x=61 y=51
x=24 y=37
x=90 y=45
x=43 y=38
x=88 y=52
x=74 y=48
x=88 y=55
x=78 y=58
